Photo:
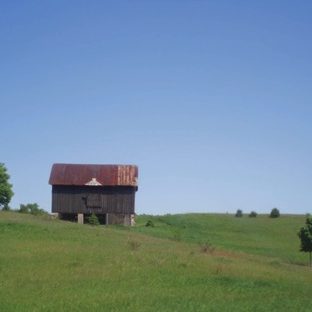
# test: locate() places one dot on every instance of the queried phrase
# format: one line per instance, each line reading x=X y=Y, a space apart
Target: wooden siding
x=88 y=199
x=113 y=218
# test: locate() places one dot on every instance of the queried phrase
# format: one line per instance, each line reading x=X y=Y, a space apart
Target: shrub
x=239 y=213
x=33 y=209
x=93 y=219
x=149 y=223
x=253 y=214
x=23 y=209
x=274 y=213
x=305 y=235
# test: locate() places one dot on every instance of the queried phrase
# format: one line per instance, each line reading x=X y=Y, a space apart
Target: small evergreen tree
x=93 y=219
x=239 y=213
x=274 y=213
x=305 y=235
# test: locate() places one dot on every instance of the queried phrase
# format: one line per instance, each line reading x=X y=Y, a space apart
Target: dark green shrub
x=149 y=223
x=93 y=219
x=239 y=213
x=305 y=235
x=253 y=214
x=274 y=213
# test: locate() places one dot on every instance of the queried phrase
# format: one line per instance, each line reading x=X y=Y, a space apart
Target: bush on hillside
x=305 y=235
x=33 y=209
x=93 y=219
x=253 y=214
x=274 y=213
x=149 y=223
x=239 y=213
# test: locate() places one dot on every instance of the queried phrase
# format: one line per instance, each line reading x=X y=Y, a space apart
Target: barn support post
x=80 y=218
x=55 y=215
x=132 y=222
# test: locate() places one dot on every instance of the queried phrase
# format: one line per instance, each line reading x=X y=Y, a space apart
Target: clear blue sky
x=211 y=99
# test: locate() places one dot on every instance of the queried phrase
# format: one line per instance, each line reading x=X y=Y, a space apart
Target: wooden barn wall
x=88 y=199
x=124 y=219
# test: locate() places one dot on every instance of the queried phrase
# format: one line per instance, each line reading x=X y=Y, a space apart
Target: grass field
x=251 y=264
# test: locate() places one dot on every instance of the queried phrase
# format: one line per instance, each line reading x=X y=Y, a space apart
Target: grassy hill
x=196 y=262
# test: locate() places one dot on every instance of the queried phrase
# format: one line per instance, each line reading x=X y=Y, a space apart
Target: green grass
x=259 y=236
x=50 y=265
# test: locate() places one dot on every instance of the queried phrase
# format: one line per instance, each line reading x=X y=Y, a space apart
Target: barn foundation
x=104 y=219
x=80 y=218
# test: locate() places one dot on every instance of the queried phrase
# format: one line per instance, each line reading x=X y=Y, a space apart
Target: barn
x=78 y=190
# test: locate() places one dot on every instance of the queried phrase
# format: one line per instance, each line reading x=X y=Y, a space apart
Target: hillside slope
x=259 y=236
x=50 y=265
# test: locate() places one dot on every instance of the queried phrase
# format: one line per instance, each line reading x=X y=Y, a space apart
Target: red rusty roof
x=107 y=175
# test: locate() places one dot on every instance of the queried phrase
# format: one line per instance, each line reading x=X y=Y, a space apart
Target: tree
x=239 y=213
x=305 y=235
x=6 y=192
x=33 y=209
x=274 y=213
x=93 y=219
x=253 y=214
